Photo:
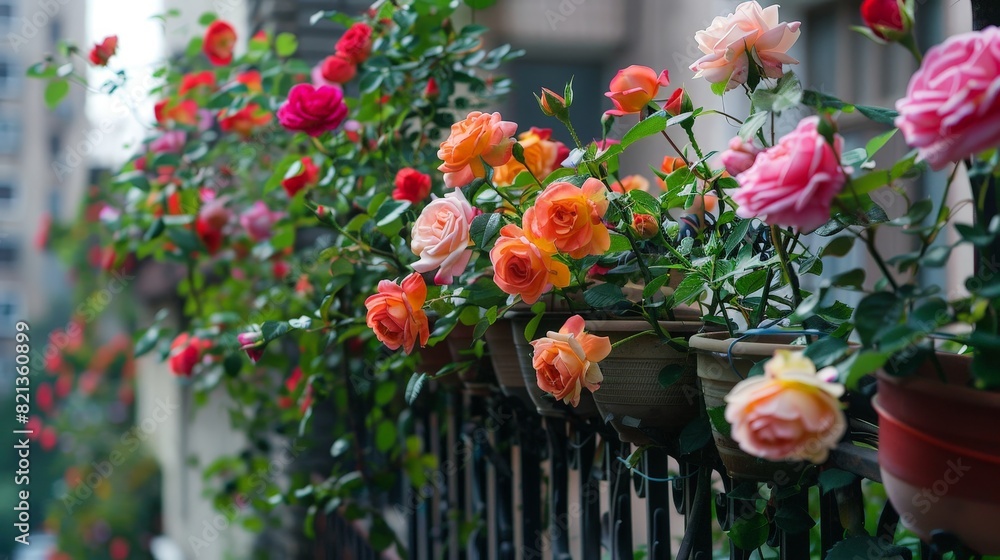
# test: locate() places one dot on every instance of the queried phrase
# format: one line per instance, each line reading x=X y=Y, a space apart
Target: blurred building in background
x=43 y=163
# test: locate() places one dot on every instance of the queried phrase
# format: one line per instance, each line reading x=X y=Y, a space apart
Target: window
x=10 y=77
x=10 y=135
x=9 y=253
x=8 y=197
x=10 y=311
x=6 y=14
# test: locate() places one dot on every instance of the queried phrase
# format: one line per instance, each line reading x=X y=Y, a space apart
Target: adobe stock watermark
x=27 y=28
x=130 y=441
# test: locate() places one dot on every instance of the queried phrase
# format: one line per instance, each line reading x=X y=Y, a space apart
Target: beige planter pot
x=631 y=398
x=717 y=378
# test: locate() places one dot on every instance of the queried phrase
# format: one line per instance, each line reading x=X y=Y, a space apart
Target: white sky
x=140 y=44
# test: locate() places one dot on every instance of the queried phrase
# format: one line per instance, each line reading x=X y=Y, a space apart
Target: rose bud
x=432 y=90
x=250 y=342
x=889 y=20
x=103 y=51
x=645 y=226
x=679 y=103
x=551 y=103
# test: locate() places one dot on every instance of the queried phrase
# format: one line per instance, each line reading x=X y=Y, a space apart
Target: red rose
x=313 y=110
x=169 y=112
x=306 y=177
x=280 y=269
x=220 y=38
x=356 y=43
x=212 y=218
x=432 y=90
x=412 y=185
x=245 y=121
x=185 y=353
x=886 y=18
x=104 y=50
x=192 y=81
x=251 y=79
x=338 y=69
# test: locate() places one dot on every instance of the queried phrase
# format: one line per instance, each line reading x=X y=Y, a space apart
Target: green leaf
x=653 y=124
x=916 y=214
x=273 y=329
x=877 y=143
x=754 y=123
x=690 y=288
x=670 y=374
x=750 y=533
x=785 y=95
x=873 y=312
x=654 y=285
x=484 y=229
x=155 y=230
x=207 y=18
x=878 y=114
x=832 y=479
x=619 y=244
x=718 y=417
x=936 y=257
x=695 y=435
x=853 y=278
x=826 y=351
x=750 y=283
x=285 y=44
x=869 y=548
x=839 y=246
x=479 y=4
x=604 y=295
x=147 y=341
x=793 y=519
x=390 y=211
x=414 y=386
x=385 y=436
x=976 y=235
x=55 y=92
x=644 y=203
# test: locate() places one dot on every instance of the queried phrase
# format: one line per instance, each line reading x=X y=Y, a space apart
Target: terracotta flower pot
x=631 y=397
x=544 y=403
x=718 y=378
x=939 y=453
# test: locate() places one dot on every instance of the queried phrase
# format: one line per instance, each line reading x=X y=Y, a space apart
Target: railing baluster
x=478 y=505
x=831 y=530
x=531 y=481
x=503 y=439
x=457 y=452
x=590 y=494
x=795 y=546
x=621 y=498
x=655 y=465
x=558 y=492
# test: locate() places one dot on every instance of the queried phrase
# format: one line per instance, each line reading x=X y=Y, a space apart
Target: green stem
x=870 y=244
x=910 y=42
x=786 y=265
x=631 y=338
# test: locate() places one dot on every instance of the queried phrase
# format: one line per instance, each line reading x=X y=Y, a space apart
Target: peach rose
x=633 y=87
x=396 y=313
x=440 y=237
x=521 y=268
x=567 y=218
x=480 y=137
x=727 y=42
x=631 y=183
x=566 y=361
x=541 y=154
x=789 y=413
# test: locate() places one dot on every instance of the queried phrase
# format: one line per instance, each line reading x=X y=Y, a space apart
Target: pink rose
x=440 y=237
x=313 y=110
x=739 y=157
x=250 y=342
x=171 y=141
x=789 y=413
x=728 y=40
x=259 y=221
x=952 y=105
x=794 y=182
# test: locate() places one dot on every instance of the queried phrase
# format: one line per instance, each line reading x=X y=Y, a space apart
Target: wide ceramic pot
x=631 y=398
x=544 y=403
x=503 y=356
x=717 y=377
x=939 y=453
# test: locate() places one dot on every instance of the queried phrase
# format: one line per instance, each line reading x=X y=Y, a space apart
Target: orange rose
x=251 y=79
x=480 y=137
x=396 y=313
x=789 y=413
x=169 y=112
x=634 y=87
x=565 y=361
x=541 y=154
x=567 y=218
x=245 y=121
x=521 y=268
x=631 y=183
